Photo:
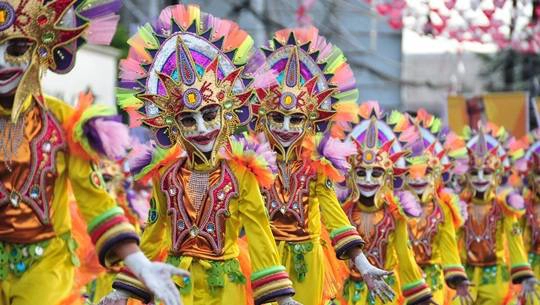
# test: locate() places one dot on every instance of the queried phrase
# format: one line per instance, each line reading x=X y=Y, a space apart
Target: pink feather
x=114 y=137
x=338 y=152
x=516 y=201
x=130 y=69
x=461 y=167
x=101 y=30
x=409 y=203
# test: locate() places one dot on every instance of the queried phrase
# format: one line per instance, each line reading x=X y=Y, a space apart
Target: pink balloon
x=450 y=4
x=383 y=8
x=499 y=3
x=395 y=23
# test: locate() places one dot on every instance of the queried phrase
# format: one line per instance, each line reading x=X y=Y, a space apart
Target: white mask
x=201 y=128
x=369 y=181
x=14 y=61
x=286 y=128
x=481 y=179
x=417 y=185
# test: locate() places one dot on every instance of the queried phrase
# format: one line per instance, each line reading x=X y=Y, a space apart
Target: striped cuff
x=520 y=272
x=416 y=292
x=107 y=230
x=454 y=274
x=127 y=282
x=344 y=239
x=270 y=284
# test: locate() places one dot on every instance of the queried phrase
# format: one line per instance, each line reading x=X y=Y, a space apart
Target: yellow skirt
x=48 y=281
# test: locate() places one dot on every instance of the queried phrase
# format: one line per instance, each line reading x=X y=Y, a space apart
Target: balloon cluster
x=505 y=23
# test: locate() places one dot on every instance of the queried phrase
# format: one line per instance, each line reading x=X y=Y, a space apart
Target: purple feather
x=336 y=152
x=111 y=7
x=410 y=204
x=108 y=136
x=140 y=157
x=516 y=201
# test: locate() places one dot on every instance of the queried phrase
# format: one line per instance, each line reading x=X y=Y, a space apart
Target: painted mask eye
x=297 y=119
x=18 y=47
x=361 y=173
x=474 y=172
x=277 y=117
x=210 y=114
x=187 y=121
x=377 y=172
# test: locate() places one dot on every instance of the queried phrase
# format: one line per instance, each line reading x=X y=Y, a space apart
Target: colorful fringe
x=327 y=156
x=93 y=131
x=254 y=154
x=336 y=271
x=403 y=205
x=270 y=284
x=107 y=230
x=520 y=272
x=454 y=274
x=344 y=239
x=416 y=293
x=146 y=162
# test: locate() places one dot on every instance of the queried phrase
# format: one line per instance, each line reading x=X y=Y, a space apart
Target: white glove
x=462 y=292
x=156 y=277
x=374 y=278
x=528 y=291
x=115 y=297
x=287 y=301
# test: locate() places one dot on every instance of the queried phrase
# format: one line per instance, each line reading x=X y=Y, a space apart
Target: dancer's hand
x=528 y=291
x=462 y=292
x=374 y=278
x=287 y=301
x=116 y=297
x=156 y=277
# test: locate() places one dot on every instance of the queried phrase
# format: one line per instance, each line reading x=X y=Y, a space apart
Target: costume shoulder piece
x=403 y=205
x=327 y=155
x=95 y=131
x=457 y=207
x=511 y=202
x=252 y=153
x=58 y=28
x=146 y=161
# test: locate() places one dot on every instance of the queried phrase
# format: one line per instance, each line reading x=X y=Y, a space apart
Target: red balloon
x=383 y=9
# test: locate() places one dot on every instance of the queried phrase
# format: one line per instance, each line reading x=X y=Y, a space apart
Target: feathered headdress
x=56 y=28
x=186 y=61
x=305 y=74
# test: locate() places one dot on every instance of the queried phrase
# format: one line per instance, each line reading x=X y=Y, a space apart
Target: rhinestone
x=48 y=37
x=194 y=231
x=295 y=206
x=274 y=204
x=282 y=209
x=42 y=20
x=228 y=116
x=221 y=195
x=46 y=147
x=42 y=51
x=172 y=191
x=24 y=252
x=375 y=252
x=416 y=243
x=14 y=198
x=383 y=230
x=151 y=109
x=228 y=104
x=181 y=225
x=38 y=251
x=169 y=120
x=478 y=239
x=303 y=178
x=21 y=267
x=34 y=192
x=313 y=115
x=210 y=228
x=486 y=237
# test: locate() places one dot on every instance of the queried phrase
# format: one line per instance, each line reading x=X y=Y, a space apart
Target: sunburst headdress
x=187 y=61
x=377 y=147
x=309 y=76
x=56 y=28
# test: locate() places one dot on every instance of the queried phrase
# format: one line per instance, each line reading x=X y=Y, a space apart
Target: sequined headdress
x=377 y=146
x=308 y=76
x=56 y=28
x=525 y=154
x=186 y=61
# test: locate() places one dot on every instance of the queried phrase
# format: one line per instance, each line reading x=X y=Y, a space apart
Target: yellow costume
x=47 y=146
x=380 y=215
x=202 y=197
x=492 y=227
x=313 y=87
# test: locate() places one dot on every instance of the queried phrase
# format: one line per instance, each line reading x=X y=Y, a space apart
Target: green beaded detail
x=152 y=212
x=489 y=274
x=17 y=258
x=433 y=274
x=358 y=289
x=215 y=275
x=534 y=260
x=299 y=251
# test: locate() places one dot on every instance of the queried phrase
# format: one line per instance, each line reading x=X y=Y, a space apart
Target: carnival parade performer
x=493 y=212
x=433 y=234
x=46 y=144
x=182 y=80
x=309 y=87
x=379 y=212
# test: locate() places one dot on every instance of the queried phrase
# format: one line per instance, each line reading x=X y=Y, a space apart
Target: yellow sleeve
x=344 y=236
x=520 y=267
x=107 y=225
x=454 y=273
x=413 y=286
x=269 y=279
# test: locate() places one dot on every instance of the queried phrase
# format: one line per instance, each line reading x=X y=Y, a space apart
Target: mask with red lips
x=15 y=57
x=201 y=128
x=286 y=128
